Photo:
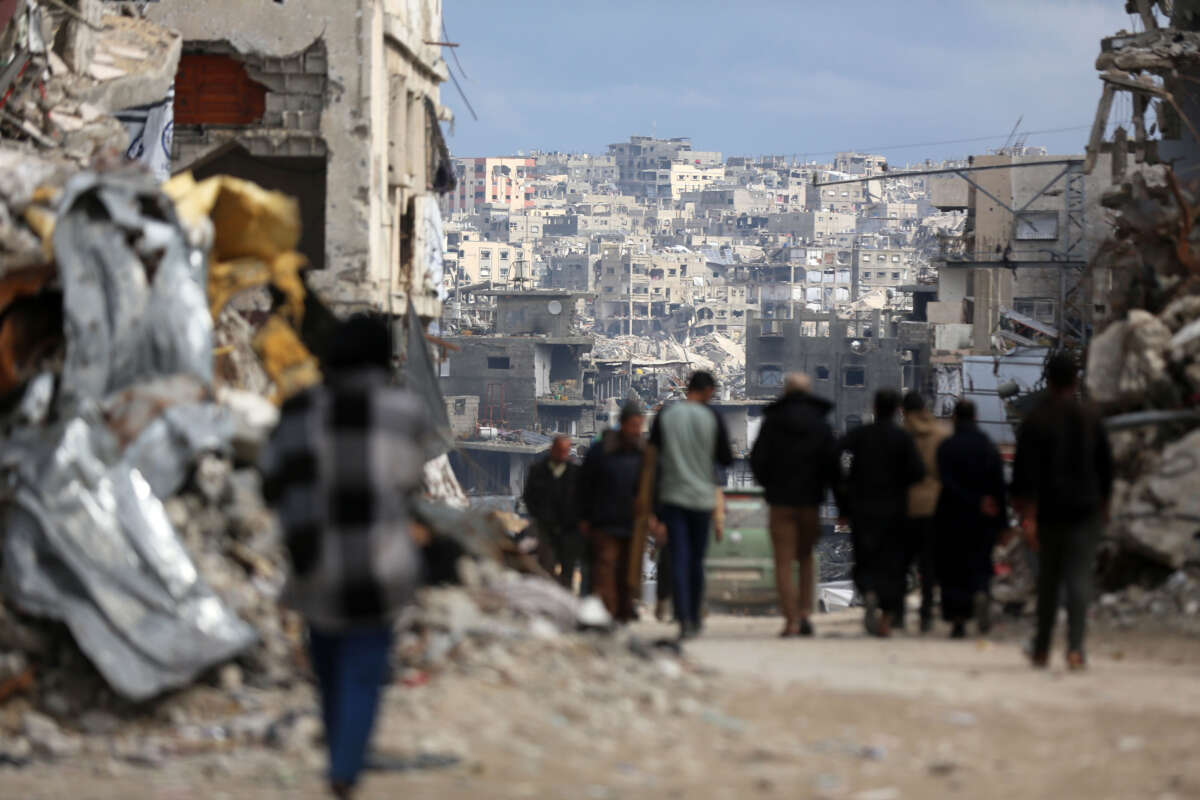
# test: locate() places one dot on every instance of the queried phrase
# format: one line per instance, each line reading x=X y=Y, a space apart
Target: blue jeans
x=687 y=539
x=350 y=668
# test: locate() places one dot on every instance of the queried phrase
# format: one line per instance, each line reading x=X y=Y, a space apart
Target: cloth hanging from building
x=440 y=168
x=151 y=130
x=421 y=379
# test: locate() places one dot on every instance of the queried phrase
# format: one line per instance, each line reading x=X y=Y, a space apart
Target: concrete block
x=276 y=101
x=311 y=102
x=315 y=63
x=309 y=120
x=293 y=102
x=273 y=119
x=944 y=312
x=309 y=84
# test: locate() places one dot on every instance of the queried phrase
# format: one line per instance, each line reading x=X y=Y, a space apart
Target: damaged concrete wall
x=372 y=70
x=846 y=374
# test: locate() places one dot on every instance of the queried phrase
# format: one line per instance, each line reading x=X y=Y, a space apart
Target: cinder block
x=308 y=84
x=276 y=101
x=315 y=63
x=294 y=102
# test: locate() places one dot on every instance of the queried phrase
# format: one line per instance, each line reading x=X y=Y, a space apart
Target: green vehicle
x=740 y=570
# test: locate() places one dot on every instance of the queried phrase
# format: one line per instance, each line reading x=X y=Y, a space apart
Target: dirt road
x=838 y=716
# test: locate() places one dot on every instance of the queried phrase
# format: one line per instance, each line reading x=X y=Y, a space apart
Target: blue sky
x=749 y=77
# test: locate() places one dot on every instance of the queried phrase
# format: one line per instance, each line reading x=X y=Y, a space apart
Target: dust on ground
x=750 y=715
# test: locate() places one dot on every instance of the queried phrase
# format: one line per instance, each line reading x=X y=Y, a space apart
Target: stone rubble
x=1146 y=361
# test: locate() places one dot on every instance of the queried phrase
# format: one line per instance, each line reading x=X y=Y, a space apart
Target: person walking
x=928 y=434
x=689 y=442
x=549 y=495
x=794 y=459
x=971 y=513
x=1062 y=488
x=339 y=469
x=608 y=486
x=879 y=462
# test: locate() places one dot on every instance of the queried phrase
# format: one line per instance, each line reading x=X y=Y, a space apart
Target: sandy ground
x=838 y=716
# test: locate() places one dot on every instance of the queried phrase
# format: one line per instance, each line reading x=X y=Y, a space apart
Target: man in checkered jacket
x=339 y=470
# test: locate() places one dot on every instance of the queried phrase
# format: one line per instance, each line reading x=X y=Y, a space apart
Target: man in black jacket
x=1062 y=485
x=549 y=498
x=970 y=514
x=794 y=459
x=608 y=486
x=879 y=463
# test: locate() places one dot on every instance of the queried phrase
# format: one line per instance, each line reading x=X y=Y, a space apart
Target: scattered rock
x=47 y=739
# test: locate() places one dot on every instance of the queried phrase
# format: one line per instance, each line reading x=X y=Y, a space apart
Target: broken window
x=486 y=255
x=460 y=405
x=895 y=276
x=498 y=362
x=822 y=373
x=855 y=376
x=770 y=376
x=866 y=276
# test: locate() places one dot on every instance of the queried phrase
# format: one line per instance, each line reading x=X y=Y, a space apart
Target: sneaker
x=688 y=630
x=806 y=628
x=1075 y=661
x=983 y=612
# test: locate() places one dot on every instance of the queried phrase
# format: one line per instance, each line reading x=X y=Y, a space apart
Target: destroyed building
x=340 y=111
x=530 y=373
x=848 y=359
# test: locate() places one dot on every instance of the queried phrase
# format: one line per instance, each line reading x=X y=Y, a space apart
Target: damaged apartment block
x=339 y=110
x=531 y=374
x=849 y=359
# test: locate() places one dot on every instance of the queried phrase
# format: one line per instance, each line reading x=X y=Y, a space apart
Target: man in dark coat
x=608 y=486
x=794 y=459
x=879 y=462
x=970 y=514
x=1062 y=486
x=549 y=498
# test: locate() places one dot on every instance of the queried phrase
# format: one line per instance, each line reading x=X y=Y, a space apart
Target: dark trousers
x=879 y=562
x=350 y=669
x=560 y=547
x=920 y=547
x=687 y=536
x=663 y=590
x=1066 y=554
x=964 y=565
x=610 y=572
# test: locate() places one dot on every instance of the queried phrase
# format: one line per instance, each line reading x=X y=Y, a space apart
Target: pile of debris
x=1144 y=371
x=67 y=73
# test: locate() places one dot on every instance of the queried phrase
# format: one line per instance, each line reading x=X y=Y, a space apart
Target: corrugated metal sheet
x=982 y=375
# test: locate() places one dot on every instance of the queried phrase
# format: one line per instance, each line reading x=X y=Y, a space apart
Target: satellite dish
x=554 y=307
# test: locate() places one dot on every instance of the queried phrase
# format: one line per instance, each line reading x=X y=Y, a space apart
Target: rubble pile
x=72 y=70
x=139 y=615
x=714 y=352
x=1143 y=369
